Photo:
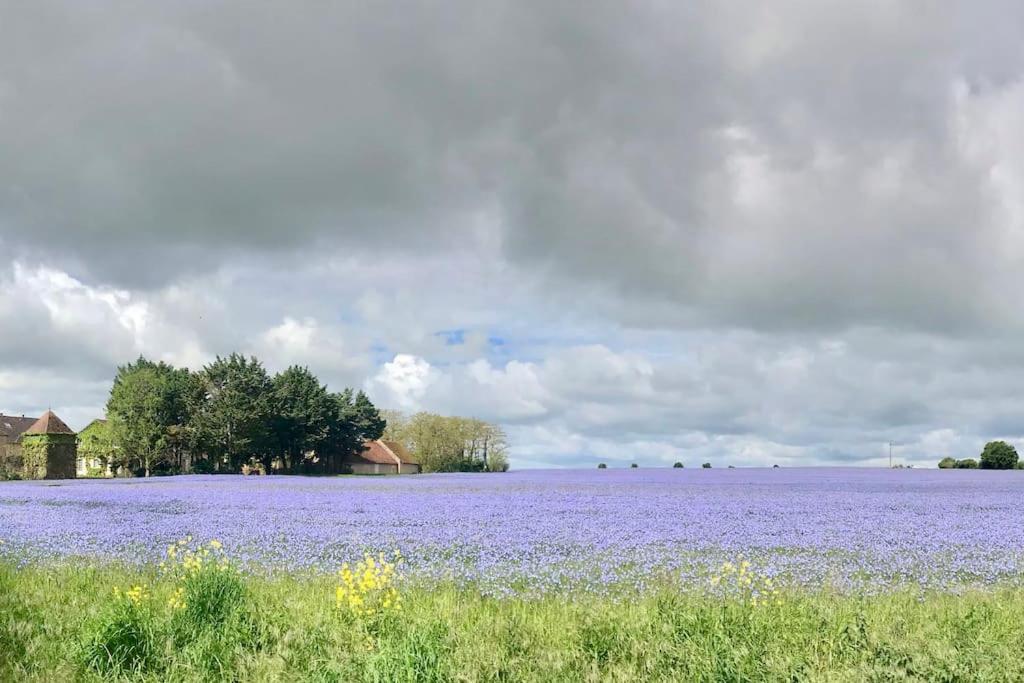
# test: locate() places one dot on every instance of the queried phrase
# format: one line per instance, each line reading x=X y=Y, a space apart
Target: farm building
x=382 y=457
x=45 y=448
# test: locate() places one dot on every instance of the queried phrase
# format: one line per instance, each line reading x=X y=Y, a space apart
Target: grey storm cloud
x=794 y=225
x=794 y=165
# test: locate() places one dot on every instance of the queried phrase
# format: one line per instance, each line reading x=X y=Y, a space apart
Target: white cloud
x=785 y=231
x=403 y=382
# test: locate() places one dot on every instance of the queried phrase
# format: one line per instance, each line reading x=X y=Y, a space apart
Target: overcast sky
x=745 y=232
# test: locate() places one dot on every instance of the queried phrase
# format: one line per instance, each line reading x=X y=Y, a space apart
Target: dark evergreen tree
x=233 y=423
x=302 y=412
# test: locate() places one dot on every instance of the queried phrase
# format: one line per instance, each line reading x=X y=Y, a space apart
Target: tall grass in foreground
x=68 y=623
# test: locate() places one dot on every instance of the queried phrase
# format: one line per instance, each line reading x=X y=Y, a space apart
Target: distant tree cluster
x=997 y=455
x=232 y=415
x=449 y=444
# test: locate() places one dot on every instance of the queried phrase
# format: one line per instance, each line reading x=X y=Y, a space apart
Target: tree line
x=230 y=416
x=449 y=444
x=997 y=455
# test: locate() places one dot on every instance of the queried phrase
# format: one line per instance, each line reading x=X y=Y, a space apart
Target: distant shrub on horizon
x=706 y=466
x=998 y=455
x=947 y=463
x=602 y=466
x=633 y=466
x=677 y=466
x=967 y=464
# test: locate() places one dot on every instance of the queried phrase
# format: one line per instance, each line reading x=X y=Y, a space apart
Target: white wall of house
x=373 y=468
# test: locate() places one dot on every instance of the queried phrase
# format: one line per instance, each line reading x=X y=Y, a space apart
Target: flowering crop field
x=536 y=531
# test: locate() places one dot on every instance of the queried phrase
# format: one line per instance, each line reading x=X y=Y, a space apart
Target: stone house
x=382 y=457
x=45 y=449
x=11 y=429
x=95 y=450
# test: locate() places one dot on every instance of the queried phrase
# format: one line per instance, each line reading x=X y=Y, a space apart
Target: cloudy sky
x=745 y=232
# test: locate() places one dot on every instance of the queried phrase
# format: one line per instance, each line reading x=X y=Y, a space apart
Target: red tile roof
x=385 y=453
x=400 y=450
x=49 y=423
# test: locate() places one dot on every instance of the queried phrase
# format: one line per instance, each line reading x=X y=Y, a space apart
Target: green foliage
x=232 y=415
x=302 y=413
x=149 y=410
x=210 y=598
x=96 y=447
x=967 y=464
x=947 y=463
x=33 y=455
x=123 y=639
x=444 y=633
x=677 y=465
x=354 y=421
x=706 y=466
x=497 y=461
x=998 y=455
x=633 y=466
x=450 y=444
x=233 y=422
x=602 y=466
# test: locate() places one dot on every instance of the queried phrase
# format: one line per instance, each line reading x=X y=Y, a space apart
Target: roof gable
x=97 y=423
x=384 y=453
x=401 y=452
x=49 y=423
x=11 y=427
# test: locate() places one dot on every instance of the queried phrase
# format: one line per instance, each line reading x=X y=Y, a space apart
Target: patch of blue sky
x=456 y=337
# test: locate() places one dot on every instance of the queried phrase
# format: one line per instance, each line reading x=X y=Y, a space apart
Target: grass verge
x=78 y=622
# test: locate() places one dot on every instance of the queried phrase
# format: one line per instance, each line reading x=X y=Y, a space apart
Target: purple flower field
x=854 y=529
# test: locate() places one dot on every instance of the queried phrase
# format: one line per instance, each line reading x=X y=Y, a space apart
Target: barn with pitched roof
x=382 y=457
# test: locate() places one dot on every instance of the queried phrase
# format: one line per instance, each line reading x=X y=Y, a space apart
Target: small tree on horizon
x=706 y=466
x=602 y=466
x=947 y=463
x=967 y=464
x=678 y=466
x=633 y=466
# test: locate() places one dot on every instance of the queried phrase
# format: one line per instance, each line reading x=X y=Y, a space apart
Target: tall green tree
x=302 y=415
x=354 y=420
x=450 y=444
x=367 y=419
x=233 y=422
x=149 y=405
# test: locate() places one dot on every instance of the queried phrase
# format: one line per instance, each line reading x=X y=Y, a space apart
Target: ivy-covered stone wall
x=10 y=461
x=48 y=456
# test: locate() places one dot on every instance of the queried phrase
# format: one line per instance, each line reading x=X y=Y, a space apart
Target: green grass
x=64 y=623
